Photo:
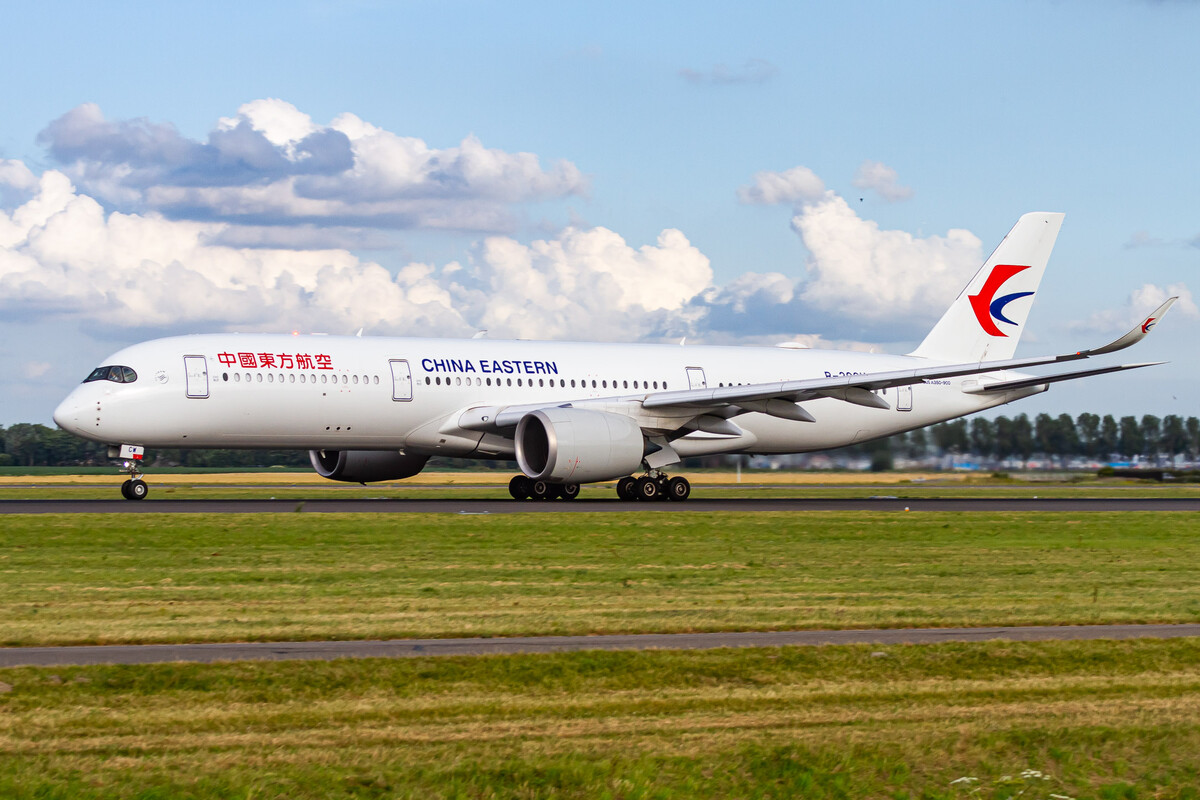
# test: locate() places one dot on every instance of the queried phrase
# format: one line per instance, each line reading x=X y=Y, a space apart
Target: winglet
x=1138 y=333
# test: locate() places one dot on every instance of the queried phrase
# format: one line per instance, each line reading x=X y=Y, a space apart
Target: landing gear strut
x=525 y=488
x=654 y=485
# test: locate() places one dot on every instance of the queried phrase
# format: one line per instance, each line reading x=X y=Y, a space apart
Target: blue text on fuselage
x=489 y=366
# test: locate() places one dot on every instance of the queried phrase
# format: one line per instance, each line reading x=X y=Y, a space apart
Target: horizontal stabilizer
x=1024 y=383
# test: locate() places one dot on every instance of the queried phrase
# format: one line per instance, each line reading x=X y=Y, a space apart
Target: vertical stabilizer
x=986 y=320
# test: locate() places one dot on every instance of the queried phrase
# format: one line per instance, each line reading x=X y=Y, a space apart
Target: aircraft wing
x=860 y=389
x=779 y=398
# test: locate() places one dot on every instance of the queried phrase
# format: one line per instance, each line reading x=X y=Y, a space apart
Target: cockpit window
x=114 y=374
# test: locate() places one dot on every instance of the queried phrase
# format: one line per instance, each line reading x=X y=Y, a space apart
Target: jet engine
x=362 y=466
x=573 y=445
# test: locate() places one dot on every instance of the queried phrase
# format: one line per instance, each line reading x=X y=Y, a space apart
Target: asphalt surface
x=405 y=648
x=694 y=505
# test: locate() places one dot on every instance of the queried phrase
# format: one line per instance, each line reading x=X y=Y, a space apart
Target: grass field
x=991 y=720
x=70 y=579
x=1102 y=720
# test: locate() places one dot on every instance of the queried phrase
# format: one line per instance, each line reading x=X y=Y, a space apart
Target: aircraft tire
x=627 y=489
x=125 y=490
x=138 y=490
x=678 y=489
x=568 y=491
x=518 y=487
x=648 y=489
x=541 y=490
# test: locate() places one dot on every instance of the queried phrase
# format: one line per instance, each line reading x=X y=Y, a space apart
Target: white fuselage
x=341 y=393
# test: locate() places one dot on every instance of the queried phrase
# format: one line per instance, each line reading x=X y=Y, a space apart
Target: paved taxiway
x=403 y=648
x=452 y=506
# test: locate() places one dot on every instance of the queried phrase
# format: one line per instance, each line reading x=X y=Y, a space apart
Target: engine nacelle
x=573 y=445
x=363 y=466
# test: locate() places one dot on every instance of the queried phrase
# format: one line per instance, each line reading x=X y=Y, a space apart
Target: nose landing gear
x=135 y=488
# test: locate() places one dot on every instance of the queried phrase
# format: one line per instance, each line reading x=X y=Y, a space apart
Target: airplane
x=569 y=413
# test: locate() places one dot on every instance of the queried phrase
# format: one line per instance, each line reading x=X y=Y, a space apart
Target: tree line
x=1056 y=438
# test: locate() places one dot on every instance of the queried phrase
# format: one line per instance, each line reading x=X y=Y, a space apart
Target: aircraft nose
x=69 y=414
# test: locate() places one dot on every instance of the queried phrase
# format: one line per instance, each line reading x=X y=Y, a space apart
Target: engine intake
x=573 y=445
x=364 y=466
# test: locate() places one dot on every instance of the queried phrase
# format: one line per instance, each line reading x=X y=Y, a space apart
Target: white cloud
x=33 y=370
x=881 y=179
x=271 y=164
x=796 y=185
x=66 y=257
x=860 y=271
x=1141 y=301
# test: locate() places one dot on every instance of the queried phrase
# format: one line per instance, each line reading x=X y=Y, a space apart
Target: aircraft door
x=904 y=398
x=196 y=369
x=695 y=376
x=401 y=380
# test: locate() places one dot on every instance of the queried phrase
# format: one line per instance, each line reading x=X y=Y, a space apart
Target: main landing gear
x=654 y=485
x=525 y=488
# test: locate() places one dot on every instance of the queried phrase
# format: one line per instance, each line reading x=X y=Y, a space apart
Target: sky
x=824 y=173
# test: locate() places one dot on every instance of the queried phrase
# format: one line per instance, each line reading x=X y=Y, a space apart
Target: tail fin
x=986 y=320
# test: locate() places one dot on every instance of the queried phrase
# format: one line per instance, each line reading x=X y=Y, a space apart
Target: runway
x=407 y=648
x=695 y=505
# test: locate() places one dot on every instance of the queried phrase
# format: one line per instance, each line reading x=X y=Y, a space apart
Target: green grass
x=73 y=579
x=1073 y=719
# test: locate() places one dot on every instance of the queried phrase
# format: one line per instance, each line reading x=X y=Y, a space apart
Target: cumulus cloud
x=272 y=164
x=754 y=70
x=876 y=274
x=881 y=179
x=794 y=186
x=1138 y=304
x=63 y=255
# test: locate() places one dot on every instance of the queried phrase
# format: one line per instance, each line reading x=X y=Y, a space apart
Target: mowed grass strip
x=1075 y=719
x=74 y=579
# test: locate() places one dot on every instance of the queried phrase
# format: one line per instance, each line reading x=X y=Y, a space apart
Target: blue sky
x=590 y=171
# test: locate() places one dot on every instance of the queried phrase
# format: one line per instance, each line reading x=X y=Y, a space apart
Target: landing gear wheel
x=137 y=490
x=648 y=489
x=678 y=489
x=541 y=490
x=568 y=491
x=125 y=490
x=627 y=489
x=518 y=487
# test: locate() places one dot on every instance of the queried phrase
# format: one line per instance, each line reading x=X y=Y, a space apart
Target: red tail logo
x=987 y=307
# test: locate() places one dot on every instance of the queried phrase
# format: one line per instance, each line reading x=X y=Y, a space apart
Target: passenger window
x=237 y=377
x=656 y=384
x=292 y=378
